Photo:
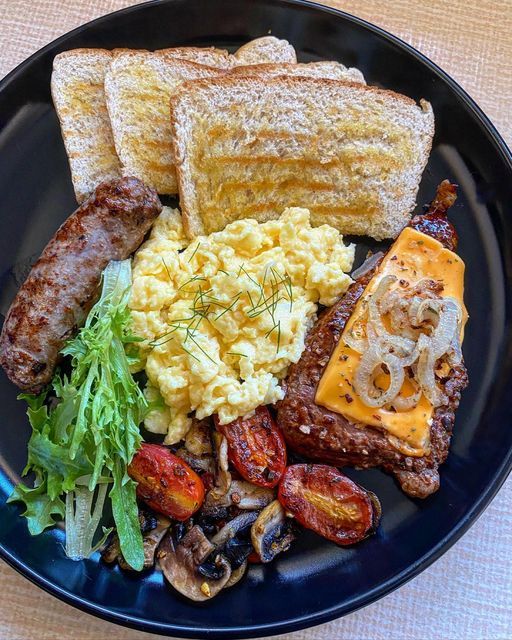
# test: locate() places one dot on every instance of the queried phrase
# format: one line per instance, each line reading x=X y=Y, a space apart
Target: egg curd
x=223 y=317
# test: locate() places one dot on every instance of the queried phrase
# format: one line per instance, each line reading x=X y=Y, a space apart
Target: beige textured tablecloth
x=467 y=594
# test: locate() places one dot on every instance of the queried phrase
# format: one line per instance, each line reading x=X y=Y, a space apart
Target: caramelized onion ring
x=424 y=329
x=364 y=378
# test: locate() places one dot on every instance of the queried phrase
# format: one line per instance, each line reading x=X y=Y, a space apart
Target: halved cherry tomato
x=165 y=482
x=321 y=498
x=256 y=448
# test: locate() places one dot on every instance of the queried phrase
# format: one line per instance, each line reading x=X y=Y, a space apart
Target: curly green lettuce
x=85 y=431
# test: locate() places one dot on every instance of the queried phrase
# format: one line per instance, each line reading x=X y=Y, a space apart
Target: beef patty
x=322 y=435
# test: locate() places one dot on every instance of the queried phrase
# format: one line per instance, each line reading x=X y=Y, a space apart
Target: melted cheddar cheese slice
x=413 y=257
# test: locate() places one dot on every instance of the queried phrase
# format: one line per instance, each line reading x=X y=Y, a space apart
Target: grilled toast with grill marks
x=79 y=99
x=138 y=87
x=252 y=146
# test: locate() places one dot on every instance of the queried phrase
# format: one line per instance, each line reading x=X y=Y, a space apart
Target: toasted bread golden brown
x=138 y=87
x=135 y=140
x=249 y=146
x=79 y=99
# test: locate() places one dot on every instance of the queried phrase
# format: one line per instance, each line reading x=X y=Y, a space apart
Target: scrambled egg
x=224 y=316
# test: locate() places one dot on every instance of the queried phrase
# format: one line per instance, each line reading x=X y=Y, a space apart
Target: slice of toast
x=79 y=99
x=265 y=49
x=138 y=87
x=250 y=146
x=325 y=69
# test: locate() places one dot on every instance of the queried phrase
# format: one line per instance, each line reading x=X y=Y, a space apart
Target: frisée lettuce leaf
x=85 y=431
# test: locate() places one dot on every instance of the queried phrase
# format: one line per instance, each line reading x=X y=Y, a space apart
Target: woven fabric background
x=465 y=595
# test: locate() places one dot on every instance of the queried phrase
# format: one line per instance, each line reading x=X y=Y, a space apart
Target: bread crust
x=265 y=49
x=324 y=69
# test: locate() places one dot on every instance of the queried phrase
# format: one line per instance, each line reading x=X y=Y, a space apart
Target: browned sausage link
x=434 y=222
x=62 y=285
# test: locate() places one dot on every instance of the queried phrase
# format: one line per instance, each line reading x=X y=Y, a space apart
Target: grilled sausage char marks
x=325 y=436
x=63 y=284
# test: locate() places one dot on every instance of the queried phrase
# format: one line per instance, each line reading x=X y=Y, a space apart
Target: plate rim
x=394 y=581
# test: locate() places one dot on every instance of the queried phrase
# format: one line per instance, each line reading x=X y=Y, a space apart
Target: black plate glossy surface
x=316 y=581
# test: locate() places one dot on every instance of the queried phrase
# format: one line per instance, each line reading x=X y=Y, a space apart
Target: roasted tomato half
x=321 y=498
x=256 y=447
x=165 y=482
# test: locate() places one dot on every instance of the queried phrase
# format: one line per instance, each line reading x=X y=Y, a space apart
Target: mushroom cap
x=180 y=563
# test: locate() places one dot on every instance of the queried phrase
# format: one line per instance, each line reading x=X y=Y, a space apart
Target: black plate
x=316 y=581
